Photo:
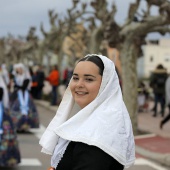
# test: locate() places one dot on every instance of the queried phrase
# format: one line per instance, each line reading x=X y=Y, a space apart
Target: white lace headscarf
x=19 y=78
x=104 y=123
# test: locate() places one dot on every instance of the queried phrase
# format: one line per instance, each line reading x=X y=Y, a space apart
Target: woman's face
x=19 y=70
x=85 y=83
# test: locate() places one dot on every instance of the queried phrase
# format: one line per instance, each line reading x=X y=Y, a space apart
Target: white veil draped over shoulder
x=104 y=123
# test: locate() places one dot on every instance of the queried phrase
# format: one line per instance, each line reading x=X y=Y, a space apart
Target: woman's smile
x=81 y=93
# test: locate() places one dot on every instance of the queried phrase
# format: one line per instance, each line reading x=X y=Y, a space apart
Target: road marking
x=142 y=161
x=38 y=132
x=30 y=162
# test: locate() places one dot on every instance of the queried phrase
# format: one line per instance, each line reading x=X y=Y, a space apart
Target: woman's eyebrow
x=86 y=75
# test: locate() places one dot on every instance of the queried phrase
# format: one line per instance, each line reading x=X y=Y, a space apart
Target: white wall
x=155 y=54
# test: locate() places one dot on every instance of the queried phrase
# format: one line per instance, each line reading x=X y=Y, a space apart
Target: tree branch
x=160 y=29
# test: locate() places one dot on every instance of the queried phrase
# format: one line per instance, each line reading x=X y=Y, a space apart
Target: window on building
x=167 y=57
x=151 y=58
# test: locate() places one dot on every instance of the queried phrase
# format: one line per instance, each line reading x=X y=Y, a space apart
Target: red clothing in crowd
x=54 y=77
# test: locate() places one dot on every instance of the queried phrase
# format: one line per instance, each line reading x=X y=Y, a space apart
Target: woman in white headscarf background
x=22 y=107
x=92 y=129
x=9 y=149
x=20 y=73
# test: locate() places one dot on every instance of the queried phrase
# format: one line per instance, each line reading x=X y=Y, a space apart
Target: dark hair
x=1 y=93
x=55 y=67
x=159 y=66
x=96 y=60
x=25 y=84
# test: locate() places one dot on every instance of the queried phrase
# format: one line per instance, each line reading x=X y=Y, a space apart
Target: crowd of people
x=19 y=87
x=18 y=113
x=159 y=83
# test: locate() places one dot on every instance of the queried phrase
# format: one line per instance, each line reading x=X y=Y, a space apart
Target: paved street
x=33 y=159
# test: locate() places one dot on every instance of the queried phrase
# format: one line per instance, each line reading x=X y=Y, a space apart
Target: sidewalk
x=155 y=145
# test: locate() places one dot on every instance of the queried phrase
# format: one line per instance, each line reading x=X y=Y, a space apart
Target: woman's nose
x=80 y=83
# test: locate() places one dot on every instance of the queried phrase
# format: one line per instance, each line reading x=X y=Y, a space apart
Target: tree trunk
x=95 y=41
x=60 y=58
x=129 y=79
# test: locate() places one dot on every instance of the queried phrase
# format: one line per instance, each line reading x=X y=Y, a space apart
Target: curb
x=163 y=159
x=46 y=105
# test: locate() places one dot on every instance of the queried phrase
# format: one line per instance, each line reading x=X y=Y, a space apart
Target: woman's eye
x=89 y=79
x=75 y=78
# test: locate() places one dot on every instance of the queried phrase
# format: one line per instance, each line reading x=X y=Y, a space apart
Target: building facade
x=154 y=53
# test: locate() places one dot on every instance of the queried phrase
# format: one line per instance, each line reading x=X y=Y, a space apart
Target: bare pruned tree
x=100 y=26
x=129 y=39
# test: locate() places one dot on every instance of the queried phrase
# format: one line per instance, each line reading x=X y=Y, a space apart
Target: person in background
x=41 y=78
x=167 y=99
x=5 y=75
x=34 y=86
x=9 y=148
x=23 y=110
x=54 y=79
x=143 y=96
x=20 y=73
x=68 y=72
x=157 y=83
x=92 y=128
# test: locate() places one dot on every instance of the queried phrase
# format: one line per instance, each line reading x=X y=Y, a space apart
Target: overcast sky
x=16 y=16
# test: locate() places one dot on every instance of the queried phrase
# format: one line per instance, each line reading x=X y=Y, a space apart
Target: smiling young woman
x=85 y=83
x=92 y=128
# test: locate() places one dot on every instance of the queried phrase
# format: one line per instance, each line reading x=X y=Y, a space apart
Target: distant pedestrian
x=20 y=73
x=41 y=78
x=157 y=83
x=68 y=72
x=167 y=92
x=34 y=85
x=23 y=110
x=143 y=96
x=9 y=149
x=54 y=79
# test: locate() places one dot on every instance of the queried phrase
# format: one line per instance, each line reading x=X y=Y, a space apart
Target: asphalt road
x=33 y=159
